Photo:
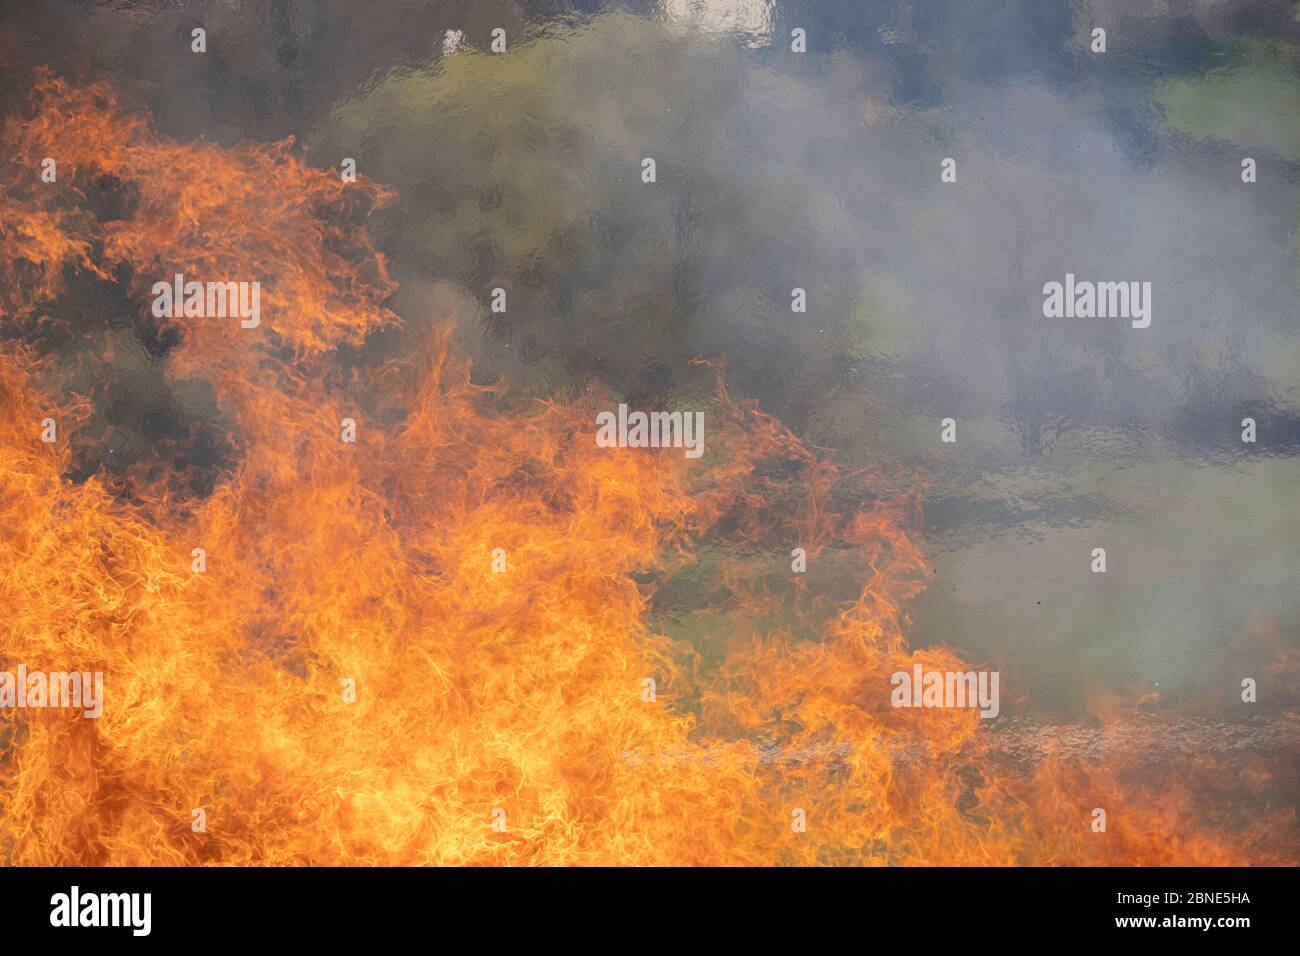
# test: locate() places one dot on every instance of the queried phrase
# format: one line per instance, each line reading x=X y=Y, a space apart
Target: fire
x=479 y=689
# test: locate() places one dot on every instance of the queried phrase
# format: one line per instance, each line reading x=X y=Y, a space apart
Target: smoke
x=821 y=171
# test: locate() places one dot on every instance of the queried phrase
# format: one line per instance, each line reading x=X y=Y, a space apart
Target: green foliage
x=1253 y=101
x=524 y=171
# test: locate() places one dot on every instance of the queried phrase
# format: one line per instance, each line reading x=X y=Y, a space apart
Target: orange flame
x=476 y=690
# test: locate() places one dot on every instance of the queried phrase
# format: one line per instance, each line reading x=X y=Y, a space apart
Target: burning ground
x=372 y=562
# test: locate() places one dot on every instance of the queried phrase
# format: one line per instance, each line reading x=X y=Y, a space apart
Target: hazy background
x=821 y=170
